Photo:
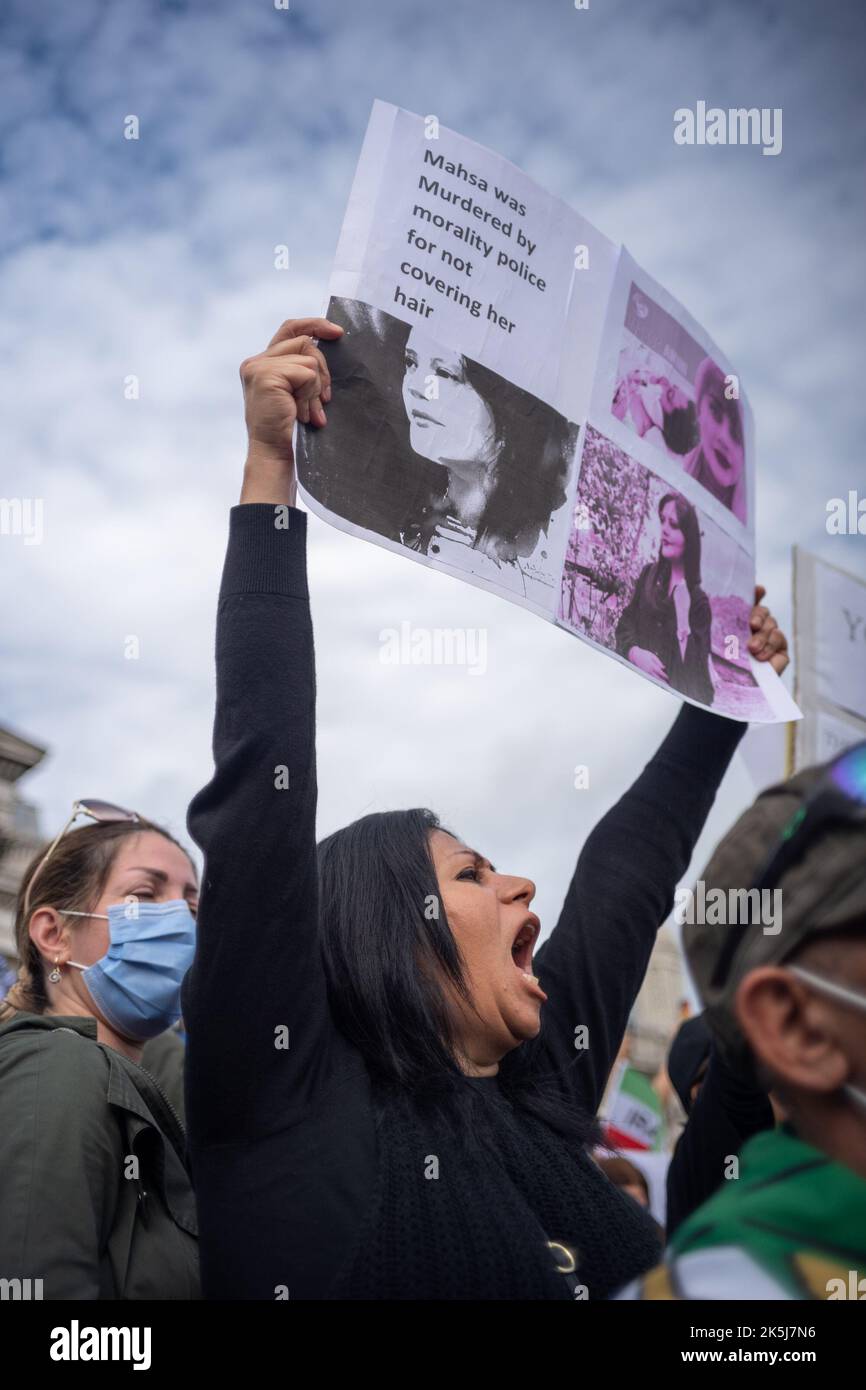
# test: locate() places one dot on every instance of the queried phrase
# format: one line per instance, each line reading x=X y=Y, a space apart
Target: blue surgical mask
x=136 y=984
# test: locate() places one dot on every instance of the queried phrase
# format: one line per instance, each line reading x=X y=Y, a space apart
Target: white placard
x=830 y=657
x=841 y=640
x=516 y=403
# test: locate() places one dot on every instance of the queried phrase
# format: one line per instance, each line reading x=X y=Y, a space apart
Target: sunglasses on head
x=837 y=798
x=103 y=811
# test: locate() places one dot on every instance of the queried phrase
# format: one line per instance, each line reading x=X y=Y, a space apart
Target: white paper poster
x=830 y=656
x=517 y=403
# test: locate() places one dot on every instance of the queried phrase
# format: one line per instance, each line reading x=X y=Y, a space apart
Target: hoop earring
x=55 y=976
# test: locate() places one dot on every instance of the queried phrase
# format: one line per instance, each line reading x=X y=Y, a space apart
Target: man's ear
x=790 y=1030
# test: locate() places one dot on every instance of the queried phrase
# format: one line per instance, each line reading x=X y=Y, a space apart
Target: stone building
x=19 y=828
x=658 y=1009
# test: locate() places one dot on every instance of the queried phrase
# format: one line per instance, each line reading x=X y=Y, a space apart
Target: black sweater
x=286 y=1159
x=650 y=621
x=729 y=1109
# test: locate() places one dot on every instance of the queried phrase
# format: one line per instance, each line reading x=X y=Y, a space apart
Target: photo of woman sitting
x=665 y=629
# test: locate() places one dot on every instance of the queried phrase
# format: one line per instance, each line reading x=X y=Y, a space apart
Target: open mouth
x=521 y=949
x=723 y=461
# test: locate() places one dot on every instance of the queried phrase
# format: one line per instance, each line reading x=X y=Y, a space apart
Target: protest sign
x=518 y=404
x=830 y=658
x=633 y=1111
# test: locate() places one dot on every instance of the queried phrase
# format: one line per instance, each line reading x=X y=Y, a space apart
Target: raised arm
x=594 y=962
x=254 y=1002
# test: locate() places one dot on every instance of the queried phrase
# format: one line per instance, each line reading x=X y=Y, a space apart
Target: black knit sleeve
x=728 y=1110
x=593 y=964
x=254 y=1002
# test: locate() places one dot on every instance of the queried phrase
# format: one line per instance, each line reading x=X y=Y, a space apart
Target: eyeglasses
x=102 y=811
x=838 y=797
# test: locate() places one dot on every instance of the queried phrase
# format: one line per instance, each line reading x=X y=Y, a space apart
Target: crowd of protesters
x=381 y=1095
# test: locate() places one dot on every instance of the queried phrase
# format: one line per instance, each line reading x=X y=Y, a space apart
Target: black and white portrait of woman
x=665 y=628
x=435 y=451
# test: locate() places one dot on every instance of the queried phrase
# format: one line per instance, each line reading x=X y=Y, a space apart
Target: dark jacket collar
x=130 y=1088
x=121 y=1090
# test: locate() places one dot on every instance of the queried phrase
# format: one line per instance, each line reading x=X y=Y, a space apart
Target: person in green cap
x=778 y=953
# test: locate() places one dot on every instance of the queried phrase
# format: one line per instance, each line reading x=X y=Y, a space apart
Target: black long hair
x=534 y=447
x=687 y=520
x=388 y=950
x=680 y=428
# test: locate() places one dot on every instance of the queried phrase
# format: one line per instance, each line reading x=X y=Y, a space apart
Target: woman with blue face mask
x=96 y=1200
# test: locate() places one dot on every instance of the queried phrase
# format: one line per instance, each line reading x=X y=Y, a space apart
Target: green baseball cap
x=822 y=891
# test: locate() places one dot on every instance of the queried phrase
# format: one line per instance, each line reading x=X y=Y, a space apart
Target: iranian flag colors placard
x=634 y=1115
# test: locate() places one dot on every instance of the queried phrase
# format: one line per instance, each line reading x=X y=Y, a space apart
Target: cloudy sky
x=155 y=258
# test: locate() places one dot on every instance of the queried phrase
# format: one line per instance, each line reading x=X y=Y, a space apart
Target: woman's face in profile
x=721 y=440
x=673 y=540
x=449 y=423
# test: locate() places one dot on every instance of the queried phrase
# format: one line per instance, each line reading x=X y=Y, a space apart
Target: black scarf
x=465 y=1212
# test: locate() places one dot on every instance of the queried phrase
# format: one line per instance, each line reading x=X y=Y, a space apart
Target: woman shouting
x=389 y=1090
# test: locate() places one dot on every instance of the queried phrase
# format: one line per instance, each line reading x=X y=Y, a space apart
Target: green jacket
x=791 y=1226
x=164 y=1057
x=95 y=1198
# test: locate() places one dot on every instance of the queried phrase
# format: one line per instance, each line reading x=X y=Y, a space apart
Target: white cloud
x=156 y=258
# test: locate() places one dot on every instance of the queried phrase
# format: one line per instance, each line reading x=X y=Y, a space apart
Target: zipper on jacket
x=180 y=1148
